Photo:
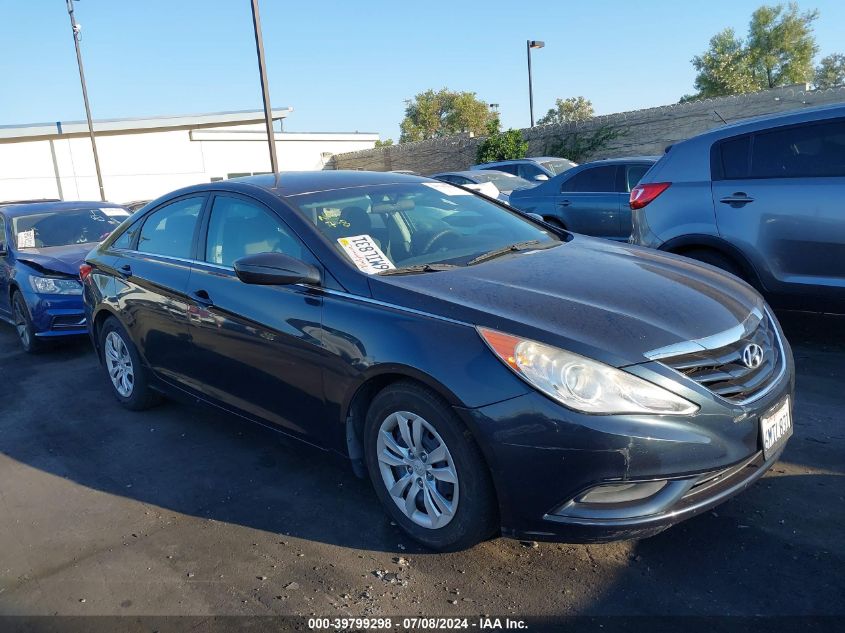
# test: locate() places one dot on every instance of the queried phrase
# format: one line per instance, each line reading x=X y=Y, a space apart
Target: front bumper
x=57 y=315
x=543 y=457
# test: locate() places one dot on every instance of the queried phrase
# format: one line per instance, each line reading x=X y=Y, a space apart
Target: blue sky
x=348 y=66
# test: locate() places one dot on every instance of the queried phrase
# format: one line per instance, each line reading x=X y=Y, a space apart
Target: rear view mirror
x=541 y=177
x=275 y=269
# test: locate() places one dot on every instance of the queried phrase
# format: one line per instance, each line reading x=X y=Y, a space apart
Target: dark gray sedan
x=591 y=198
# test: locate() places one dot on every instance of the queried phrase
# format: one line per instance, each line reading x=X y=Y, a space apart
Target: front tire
x=23 y=325
x=128 y=377
x=426 y=469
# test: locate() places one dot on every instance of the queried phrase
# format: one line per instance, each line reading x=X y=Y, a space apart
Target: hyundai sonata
x=488 y=372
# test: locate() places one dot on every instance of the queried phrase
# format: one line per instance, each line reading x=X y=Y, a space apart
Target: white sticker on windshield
x=114 y=212
x=26 y=239
x=449 y=190
x=365 y=254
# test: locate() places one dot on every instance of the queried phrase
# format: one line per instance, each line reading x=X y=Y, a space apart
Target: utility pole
x=265 y=88
x=529 y=44
x=76 y=29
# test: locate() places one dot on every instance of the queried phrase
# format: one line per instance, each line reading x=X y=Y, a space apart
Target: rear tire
x=717 y=259
x=426 y=469
x=128 y=378
x=23 y=325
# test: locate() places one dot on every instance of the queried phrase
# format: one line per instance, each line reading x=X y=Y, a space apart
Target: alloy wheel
x=417 y=469
x=119 y=364
x=21 y=324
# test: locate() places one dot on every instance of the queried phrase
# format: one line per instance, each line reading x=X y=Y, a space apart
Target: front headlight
x=55 y=286
x=580 y=383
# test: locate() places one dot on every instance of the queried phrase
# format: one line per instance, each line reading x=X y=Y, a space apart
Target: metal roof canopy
x=107 y=127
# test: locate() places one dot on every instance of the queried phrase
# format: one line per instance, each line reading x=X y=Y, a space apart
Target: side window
x=238 y=228
x=2 y=234
x=634 y=174
x=460 y=180
x=447 y=178
x=811 y=150
x=729 y=158
x=594 y=180
x=170 y=229
x=125 y=240
x=510 y=169
x=528 y=171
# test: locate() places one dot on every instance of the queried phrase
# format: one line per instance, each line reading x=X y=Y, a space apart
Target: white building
x=142 y=159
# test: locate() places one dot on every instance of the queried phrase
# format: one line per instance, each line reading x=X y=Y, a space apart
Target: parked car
x=535 y=169
x=504 y=182
x=591 y=198
x=488 y=373
x=42 y=245
x=762 y=199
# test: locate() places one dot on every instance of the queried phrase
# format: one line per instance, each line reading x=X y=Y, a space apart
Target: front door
x=5 y=272
x=256 y=349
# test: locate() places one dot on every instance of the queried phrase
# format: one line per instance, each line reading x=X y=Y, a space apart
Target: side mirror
x=541 y=177
x=275 y=269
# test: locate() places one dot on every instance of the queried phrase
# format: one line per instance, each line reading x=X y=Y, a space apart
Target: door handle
x=738 y=199
x=125 y=270
x=202 y=298
x=564 y=203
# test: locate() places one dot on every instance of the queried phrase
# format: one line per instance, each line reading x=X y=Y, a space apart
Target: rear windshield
x=558 y=166
x=66 y=227
x=503 y=181
x=414 y=224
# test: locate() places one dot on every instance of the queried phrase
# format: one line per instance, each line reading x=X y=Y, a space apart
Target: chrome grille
x=723 y=371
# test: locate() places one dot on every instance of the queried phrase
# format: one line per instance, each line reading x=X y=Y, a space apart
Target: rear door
x=589 y=202
x=255 y=349
x=779 y=195
x=5 y=271
x=151 y=268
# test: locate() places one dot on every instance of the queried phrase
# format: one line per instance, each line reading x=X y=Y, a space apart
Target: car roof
x=31 y=208
x=623 y=159
x=803 y=115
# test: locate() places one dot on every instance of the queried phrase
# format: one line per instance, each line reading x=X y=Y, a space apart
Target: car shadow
x=198 y=461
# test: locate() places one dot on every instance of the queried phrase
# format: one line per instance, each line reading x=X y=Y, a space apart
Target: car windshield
x=381 y=227
x=503 y=182
x=558 y=166
x=66 y=227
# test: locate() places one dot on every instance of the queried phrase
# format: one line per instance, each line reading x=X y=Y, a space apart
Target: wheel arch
x=97 y=320
x=356 y=404
x=686 y=243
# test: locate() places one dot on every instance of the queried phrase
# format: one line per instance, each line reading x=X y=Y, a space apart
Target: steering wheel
x=428 y=247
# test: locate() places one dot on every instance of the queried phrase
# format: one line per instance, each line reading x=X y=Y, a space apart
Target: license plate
x=775 y=428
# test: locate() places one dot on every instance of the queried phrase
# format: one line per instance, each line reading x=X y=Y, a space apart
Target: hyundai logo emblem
x=752 y=356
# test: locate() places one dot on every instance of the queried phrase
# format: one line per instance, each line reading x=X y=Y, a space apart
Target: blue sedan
x=591 y=198
x=42 y=245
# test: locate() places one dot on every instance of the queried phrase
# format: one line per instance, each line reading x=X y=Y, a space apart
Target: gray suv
x=763 y=199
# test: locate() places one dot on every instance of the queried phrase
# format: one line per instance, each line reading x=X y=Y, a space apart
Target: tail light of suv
x=644 y=193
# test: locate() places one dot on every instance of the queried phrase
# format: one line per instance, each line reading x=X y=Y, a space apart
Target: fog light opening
x=622 y=492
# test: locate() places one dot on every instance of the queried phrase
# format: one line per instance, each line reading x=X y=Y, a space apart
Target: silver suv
x=763 y=199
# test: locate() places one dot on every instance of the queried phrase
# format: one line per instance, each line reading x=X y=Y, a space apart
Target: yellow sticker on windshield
x=26 y=239
x=365 y=254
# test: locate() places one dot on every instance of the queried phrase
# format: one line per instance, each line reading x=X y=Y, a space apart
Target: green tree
x=500 y=145
x=830 y=71
x=781 y=45
x=385 y=143
x=723 y=69
x=443 y=113
x=568 y=110
x=777 y=51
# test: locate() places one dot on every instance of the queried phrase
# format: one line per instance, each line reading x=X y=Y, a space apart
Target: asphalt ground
x=183 y=511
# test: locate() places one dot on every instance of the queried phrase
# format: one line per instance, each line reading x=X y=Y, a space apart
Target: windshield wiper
x=421 y=268
x=518 y=246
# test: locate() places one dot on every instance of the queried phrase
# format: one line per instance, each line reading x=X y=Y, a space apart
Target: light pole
x=76 y=29
x=265 y=88
x=529 y=44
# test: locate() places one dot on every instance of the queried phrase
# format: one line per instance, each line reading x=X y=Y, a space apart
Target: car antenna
x=720 y=116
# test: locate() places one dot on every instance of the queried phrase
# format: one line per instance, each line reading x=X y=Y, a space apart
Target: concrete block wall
x=644 y=132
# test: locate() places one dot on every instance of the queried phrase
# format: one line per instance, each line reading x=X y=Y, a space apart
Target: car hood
x=612 y=302
x=56 y=259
